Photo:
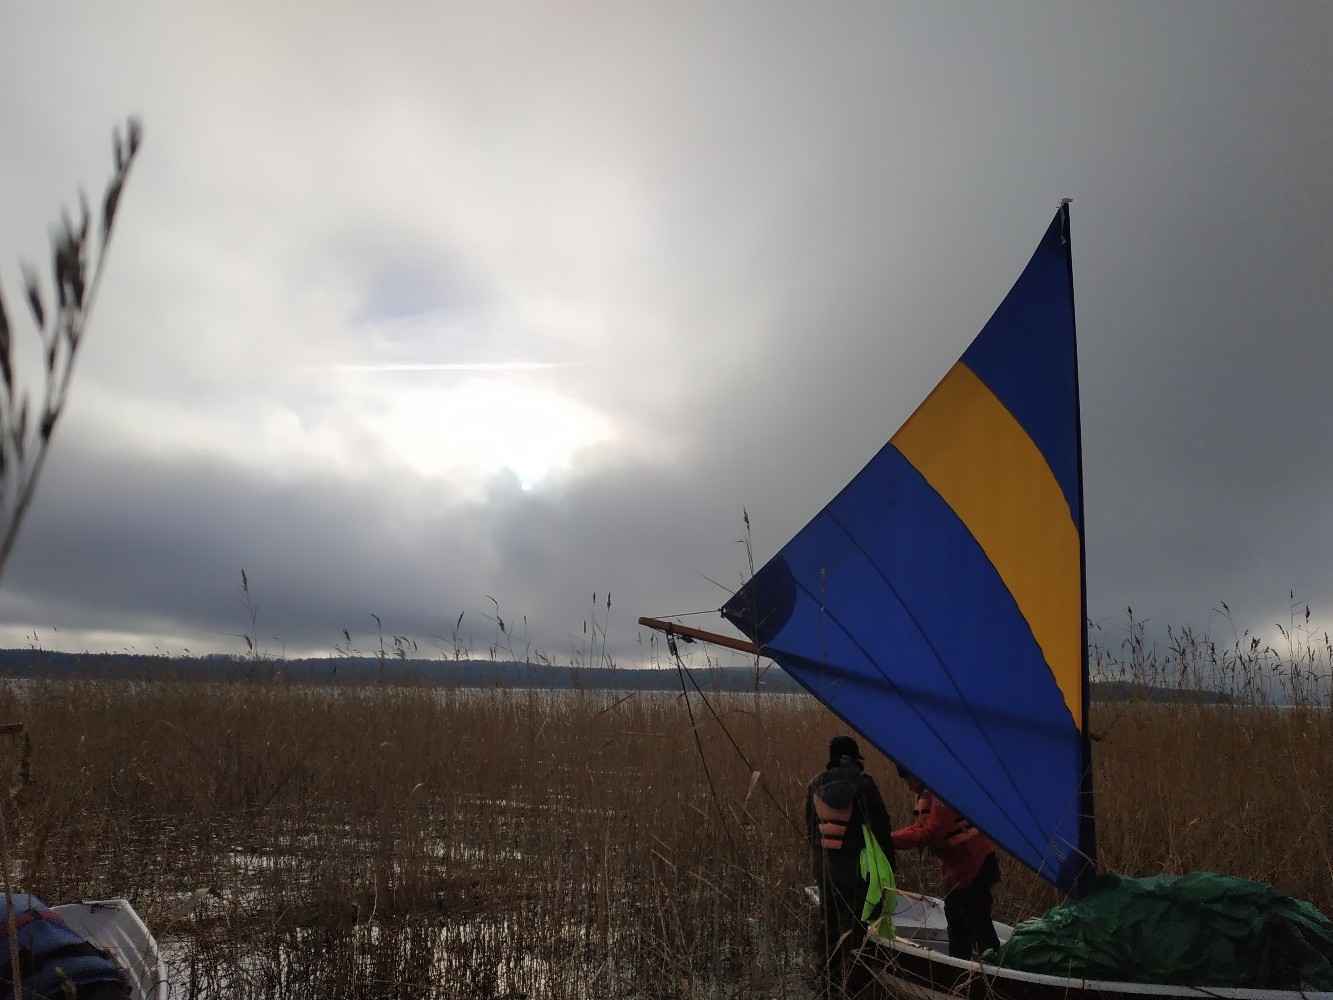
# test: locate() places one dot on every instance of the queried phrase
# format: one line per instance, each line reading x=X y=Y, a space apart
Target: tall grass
x=289 y=840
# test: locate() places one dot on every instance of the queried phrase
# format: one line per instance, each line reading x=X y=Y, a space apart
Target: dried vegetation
x=290 y=840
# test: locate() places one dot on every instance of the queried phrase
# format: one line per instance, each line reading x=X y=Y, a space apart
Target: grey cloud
x=762 y=234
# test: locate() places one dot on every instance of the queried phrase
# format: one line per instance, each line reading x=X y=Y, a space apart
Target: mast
x=1086 y=805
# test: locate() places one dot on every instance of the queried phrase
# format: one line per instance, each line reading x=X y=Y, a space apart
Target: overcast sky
x=429 y=310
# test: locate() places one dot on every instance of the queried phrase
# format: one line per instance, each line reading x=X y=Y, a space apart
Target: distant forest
x=389 y=670
x=35 y=663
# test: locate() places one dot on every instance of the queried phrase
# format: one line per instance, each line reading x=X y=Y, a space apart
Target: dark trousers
x=968 y=910
x=839 y=932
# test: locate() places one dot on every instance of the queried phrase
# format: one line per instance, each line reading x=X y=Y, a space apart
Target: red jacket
x=938 y=828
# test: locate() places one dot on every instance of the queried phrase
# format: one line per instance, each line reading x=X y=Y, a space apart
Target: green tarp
x=1189 y=930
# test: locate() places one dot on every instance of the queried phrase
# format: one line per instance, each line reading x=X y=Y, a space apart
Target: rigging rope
x=694 y=728
x=683 y=671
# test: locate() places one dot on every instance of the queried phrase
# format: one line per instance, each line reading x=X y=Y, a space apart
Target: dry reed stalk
x=25 y=434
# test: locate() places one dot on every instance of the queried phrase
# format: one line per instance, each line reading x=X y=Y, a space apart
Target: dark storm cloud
x=128 y=547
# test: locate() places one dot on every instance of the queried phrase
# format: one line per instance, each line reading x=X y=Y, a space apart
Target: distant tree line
x=36 y=663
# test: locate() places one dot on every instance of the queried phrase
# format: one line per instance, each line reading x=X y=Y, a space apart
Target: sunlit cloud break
x=475 y=366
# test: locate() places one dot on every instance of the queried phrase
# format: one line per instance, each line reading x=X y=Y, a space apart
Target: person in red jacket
x=968 y=867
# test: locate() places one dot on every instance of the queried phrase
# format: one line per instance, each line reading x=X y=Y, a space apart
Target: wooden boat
x=937 y=605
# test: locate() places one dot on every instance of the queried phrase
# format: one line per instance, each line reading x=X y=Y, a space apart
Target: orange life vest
x=833 y=824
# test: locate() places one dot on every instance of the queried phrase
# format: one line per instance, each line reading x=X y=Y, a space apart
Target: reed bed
x=288 y=840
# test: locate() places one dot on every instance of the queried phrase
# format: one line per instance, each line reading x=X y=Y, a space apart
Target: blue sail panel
x=1026 y=356
x=936 y=604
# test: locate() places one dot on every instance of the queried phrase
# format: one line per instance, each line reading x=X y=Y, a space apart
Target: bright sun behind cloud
x=484 y=424
x=460 y=424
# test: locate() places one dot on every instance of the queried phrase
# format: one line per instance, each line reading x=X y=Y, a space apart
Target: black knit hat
x=843 y=746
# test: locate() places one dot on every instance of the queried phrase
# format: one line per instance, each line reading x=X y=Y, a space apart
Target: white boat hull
x=112 y=924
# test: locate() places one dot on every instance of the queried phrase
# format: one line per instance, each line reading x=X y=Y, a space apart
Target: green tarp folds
x=1188 y=930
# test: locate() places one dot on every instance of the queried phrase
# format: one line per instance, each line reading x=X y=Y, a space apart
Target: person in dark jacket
x=968 y=867
x=851 y=841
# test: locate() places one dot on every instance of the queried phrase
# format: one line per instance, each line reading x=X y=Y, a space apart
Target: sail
x=937 y=603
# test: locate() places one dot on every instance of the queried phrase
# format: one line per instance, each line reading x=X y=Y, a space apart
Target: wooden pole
x=671 y=628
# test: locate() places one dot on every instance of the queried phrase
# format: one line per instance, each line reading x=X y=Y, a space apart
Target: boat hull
x=915 y=964
x=113 y=925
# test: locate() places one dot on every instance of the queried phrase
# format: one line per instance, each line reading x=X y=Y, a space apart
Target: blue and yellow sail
x=937 y=604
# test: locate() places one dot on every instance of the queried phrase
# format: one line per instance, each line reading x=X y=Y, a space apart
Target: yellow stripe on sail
x=983 y=464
